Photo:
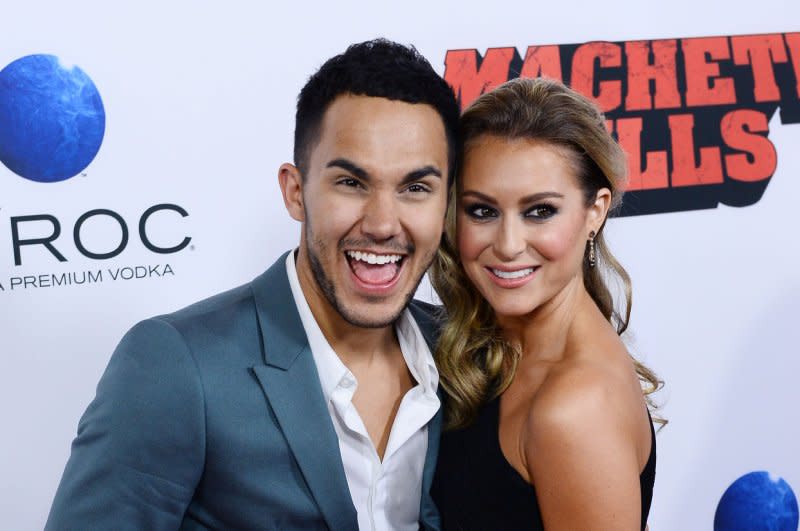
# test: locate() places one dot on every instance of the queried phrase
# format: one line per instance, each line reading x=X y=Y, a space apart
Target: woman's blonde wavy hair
x=475 y=362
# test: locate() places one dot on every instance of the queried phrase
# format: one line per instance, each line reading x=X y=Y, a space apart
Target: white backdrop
x=199 y=104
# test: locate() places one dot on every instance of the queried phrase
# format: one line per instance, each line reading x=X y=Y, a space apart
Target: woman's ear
x=598 y=211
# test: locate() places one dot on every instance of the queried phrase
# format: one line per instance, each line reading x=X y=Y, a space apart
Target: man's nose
x=381 y=220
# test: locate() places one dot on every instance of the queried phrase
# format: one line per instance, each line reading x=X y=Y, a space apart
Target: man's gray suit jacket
x=213 y=418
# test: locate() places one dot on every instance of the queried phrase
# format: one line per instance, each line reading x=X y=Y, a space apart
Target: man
x=305 y=399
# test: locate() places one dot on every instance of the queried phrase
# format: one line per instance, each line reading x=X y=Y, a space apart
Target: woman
x=548 y=425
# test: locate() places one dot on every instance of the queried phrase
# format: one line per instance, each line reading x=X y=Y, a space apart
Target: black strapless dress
x=476 y=489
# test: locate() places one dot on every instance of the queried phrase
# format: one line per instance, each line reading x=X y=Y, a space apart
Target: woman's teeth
x=513 y=274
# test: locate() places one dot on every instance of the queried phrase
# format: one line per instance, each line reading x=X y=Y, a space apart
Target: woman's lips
x=511 y=278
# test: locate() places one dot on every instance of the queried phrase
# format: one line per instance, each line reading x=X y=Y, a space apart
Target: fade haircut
x=378 y=68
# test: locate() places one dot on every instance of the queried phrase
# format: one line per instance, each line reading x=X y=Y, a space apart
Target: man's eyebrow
x=420 y=173
x=361 y=173
x=350 y=166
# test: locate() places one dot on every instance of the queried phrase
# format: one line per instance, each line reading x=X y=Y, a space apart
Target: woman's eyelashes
x=483 y=212
x=541 y=211
x=480 y=212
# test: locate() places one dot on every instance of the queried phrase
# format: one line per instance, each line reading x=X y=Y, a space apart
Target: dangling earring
x=592 y=256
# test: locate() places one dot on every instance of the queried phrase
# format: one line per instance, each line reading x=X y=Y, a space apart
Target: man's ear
x=291 y=183
x=598 y=211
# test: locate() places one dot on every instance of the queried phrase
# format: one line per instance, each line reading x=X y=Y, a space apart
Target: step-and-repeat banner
x=140 y=145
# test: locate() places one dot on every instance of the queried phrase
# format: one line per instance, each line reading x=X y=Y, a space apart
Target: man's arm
x=140 y=446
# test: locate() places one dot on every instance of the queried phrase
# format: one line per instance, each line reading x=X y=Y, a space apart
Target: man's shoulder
x=220 y=320
x=212 y=307
x=230 y=304
x=432 y=311
x=429 y=318
x=226 y=326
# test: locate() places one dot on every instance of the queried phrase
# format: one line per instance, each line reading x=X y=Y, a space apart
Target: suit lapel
x=428 y=514
x=290 y=382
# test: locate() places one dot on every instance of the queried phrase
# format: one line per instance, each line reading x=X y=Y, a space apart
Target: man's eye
x=481 y=212
x=349 y=182
x=418 y=188
x=541 y=212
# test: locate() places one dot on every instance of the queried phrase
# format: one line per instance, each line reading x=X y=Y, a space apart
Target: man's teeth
x=513 y=274
x=375 y=259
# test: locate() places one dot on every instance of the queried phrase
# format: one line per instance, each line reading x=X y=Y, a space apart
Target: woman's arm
x=580 y=451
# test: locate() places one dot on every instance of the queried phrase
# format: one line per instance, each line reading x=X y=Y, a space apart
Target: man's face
x=373 y=205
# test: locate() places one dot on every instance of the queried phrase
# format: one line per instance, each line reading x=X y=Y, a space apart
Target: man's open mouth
x=376 y=269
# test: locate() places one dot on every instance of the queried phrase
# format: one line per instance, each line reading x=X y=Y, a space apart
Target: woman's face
x=523 y=222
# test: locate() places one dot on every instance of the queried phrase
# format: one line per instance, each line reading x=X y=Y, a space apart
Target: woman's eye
x=481 y=212
x=540 y=212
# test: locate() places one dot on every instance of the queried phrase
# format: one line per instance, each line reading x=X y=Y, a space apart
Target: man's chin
x=376 y=319
x=370 y=310
x=373 y=312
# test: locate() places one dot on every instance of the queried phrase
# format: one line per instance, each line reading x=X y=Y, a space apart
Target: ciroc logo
x=52 y=123
x=52 y=119
x=758 y=500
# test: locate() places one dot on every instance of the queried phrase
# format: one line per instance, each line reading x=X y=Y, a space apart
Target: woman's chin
x=507 y=310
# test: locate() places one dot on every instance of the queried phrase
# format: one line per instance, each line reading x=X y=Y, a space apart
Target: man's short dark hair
x=378 y=68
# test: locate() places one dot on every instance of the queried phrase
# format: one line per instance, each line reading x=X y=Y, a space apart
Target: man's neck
x=373 y=355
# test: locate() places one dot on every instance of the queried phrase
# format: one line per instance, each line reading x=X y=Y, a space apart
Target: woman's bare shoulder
x=580 y=446
x=589 y=392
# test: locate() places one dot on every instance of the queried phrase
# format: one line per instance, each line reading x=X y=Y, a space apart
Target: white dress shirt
x=385 y=493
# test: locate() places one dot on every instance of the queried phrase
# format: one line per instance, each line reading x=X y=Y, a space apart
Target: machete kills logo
x=692 y=114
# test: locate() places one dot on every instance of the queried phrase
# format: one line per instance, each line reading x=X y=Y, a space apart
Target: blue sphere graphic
x=52 y=119
x=757 y=501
